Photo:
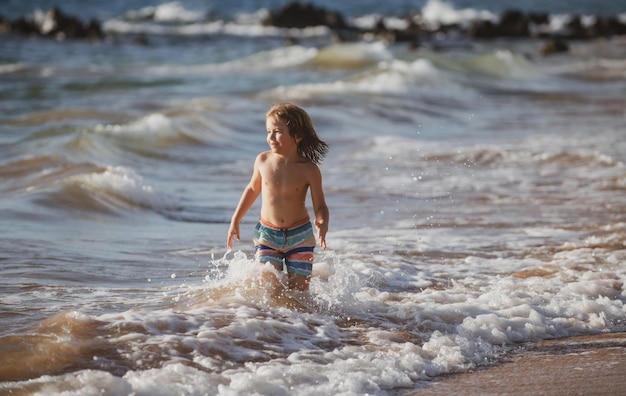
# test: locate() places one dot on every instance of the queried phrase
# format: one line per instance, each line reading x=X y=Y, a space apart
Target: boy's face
x=278 y=137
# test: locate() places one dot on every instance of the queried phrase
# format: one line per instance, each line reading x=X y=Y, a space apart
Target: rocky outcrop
x=601 y=27
x=301 y=15
x=55 y=24
x=511 y=24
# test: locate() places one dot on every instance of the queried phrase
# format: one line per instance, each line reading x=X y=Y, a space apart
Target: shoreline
x=580 y=365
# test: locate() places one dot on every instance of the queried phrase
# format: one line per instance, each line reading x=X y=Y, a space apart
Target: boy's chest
x=289 y=177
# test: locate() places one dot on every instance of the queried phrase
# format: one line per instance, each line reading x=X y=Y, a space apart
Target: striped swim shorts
x=292 y=246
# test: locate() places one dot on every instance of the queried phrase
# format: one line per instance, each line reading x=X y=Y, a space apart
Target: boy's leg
x=270 y=282
x=298 y=282
x=265 y=254
x=265 y=245
x=299 y=263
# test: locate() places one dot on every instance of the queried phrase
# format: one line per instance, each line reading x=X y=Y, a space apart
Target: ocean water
x=476 y=192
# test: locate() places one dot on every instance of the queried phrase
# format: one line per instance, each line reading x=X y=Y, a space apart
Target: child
x=282 y=176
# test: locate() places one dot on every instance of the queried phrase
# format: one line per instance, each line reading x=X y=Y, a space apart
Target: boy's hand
x=322 y=228
x=233 y=233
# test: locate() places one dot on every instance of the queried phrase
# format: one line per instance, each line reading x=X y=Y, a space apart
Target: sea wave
x=36 y=172
x=64 y=116
x=277 y=58
x=421 y=75
x=352 y=55
x=597 y=69
x=155 y=136
x=57 y=183
x=153 y=131
x=111 y=190
x=219 y=27
x=9 y=68
x=395 y=77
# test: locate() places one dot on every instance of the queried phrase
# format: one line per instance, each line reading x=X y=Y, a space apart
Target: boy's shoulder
x=266 y=156
x=263 y=156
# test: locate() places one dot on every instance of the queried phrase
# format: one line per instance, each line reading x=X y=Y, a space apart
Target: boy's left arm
x=322 y=214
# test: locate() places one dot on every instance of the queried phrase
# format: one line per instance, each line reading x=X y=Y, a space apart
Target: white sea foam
x=219 y=27
x=12 y=68
x=398 y=337
x=118 y=179
x=166 y=12
x=370 y=21
x=155 y=123
x=441 y=12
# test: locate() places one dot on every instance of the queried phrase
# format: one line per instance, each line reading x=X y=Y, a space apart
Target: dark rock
x=575 y=28
x=298 y=15
x=606 y=27
x=554 y=46
x=513 y=23
x=615 y=27
x=54 y=23
x=483 y=30
x=411 y=34
x=23 y=26
x=59 y=25
x=539 y=18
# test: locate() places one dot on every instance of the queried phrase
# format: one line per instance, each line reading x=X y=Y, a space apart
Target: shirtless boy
x=282 y=175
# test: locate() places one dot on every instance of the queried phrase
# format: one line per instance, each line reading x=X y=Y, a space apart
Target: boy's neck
x=288 y=158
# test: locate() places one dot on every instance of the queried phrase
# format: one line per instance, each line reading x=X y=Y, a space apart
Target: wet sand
x=589 y=365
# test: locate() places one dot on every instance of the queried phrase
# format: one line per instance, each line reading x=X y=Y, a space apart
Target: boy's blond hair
x=300 y=125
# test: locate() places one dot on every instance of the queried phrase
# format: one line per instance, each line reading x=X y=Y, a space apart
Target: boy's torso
x=284 y=189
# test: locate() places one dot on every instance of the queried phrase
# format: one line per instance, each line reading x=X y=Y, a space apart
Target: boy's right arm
x=249 y=195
